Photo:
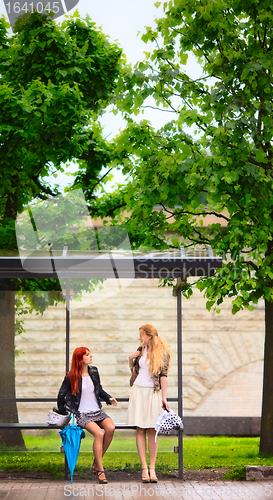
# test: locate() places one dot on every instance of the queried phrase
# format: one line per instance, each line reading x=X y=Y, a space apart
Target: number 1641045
x=16 y=8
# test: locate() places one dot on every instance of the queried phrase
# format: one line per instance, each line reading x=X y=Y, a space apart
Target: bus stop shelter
x=175 y=265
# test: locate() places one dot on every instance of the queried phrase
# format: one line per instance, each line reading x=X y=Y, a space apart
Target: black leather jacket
x=68 y=402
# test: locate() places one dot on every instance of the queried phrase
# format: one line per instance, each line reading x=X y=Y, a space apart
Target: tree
x=215 y=156
x=55 y=82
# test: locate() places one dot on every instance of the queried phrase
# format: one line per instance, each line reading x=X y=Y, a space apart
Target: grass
x=199 y=453
x=120 y=442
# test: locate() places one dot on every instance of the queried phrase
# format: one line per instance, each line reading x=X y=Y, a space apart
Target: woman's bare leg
x=109 y=428
x=141 y=448
x=98 y=435
x=152 y=447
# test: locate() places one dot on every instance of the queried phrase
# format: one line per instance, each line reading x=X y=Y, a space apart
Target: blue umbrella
x=71 y=438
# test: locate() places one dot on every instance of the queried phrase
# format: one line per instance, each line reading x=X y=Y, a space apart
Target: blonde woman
x=149 y=365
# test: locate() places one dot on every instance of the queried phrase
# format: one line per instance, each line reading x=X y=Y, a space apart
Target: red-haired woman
x=149 y=365
x=80 y=393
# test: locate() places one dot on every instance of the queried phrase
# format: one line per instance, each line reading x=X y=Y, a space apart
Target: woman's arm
x=163 y=385
x=133 y=356
x=103 y=394
x=61 y=396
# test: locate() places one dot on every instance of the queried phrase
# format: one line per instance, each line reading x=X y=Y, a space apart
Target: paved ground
x=163 y=490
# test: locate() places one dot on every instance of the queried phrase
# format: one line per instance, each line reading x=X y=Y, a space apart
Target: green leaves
x=213 y=186
x=55 y=81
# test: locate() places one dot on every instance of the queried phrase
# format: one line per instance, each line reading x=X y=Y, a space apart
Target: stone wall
x=222 y=354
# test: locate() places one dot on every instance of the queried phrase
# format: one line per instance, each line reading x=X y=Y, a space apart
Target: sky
x=123 y=21
x=120 y=19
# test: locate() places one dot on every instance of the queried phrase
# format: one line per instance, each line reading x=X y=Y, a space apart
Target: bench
x=47 y=427
x=44 y=426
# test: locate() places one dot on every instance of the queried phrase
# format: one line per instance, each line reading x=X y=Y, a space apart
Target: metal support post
x=67 y=325
x=65 y=467
x=179 y=363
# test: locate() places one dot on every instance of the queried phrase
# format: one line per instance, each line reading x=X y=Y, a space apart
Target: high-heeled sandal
x=93 y=467
x=101 y=480
x=153 y=478
x=147 y=478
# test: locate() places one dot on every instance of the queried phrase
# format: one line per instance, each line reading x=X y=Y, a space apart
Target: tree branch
x=253 y=162
x=101 y=178
x=192 y=213
x=205 y=56
x=108 y=212
x=201 y=239
x=264 y=41
x=248 y=251
x=250 y=263
x=159 y=109
x=42 y=197
x=44 y=189
x=189 y=81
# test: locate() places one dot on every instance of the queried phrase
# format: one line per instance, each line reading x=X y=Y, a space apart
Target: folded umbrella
x=71 y=438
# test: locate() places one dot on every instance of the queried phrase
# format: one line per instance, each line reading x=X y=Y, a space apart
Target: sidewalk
x=163 y=490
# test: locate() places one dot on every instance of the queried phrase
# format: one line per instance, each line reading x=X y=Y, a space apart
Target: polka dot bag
x=167 y=422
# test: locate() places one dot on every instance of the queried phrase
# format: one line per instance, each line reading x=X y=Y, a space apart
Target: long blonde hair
x=160 y=351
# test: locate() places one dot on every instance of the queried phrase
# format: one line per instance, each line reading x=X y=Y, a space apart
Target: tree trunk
x=266 y=441
x=8 y=411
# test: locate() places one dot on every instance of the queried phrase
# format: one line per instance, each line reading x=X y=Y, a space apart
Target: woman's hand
x=113 y=401
x=134 y=355
x=165 y=405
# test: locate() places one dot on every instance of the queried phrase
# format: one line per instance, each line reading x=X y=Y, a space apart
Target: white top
x=144 y=379
x=88 y=400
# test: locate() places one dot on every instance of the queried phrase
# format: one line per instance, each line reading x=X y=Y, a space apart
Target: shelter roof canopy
x=180 y=263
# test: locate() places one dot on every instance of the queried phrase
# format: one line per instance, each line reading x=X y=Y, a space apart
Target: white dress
x=144 y=403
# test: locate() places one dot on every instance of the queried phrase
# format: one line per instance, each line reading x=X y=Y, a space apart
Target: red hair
x=75 y=371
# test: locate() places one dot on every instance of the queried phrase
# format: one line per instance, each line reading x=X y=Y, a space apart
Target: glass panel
x=110 y=329
x=40 y=356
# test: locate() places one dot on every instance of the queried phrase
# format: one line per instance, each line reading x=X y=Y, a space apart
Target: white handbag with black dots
x=167 y=422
